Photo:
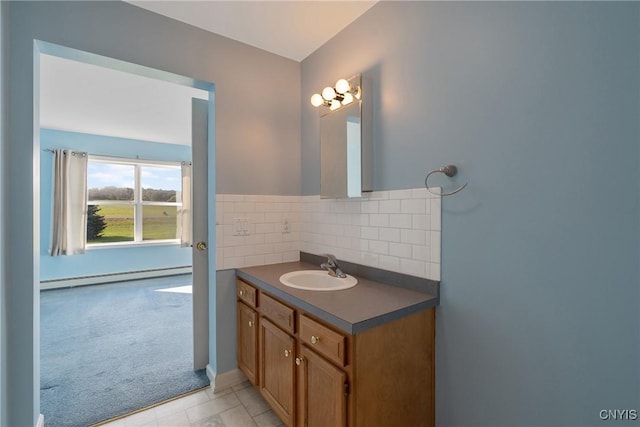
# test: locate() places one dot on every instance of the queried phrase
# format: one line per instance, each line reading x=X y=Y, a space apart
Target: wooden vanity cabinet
x=247 y=318
x=393 y=373
x=248 y=342
x=314 y=375
x=323 y=391
x=277 y=370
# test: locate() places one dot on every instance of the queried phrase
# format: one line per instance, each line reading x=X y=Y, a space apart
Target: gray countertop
x=353 y=310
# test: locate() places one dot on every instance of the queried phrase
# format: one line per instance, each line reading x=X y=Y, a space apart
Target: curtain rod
x=96 y=155
x=102 y=155
x=137 y=158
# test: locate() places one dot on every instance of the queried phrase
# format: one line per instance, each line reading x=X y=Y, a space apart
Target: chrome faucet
x=332 y=267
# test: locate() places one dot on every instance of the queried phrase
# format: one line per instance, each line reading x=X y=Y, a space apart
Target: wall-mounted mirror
x=345 y=149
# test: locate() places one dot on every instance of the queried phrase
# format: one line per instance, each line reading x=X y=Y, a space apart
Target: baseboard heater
x=113 y=277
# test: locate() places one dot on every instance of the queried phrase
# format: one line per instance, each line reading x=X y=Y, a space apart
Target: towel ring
x=448 y=170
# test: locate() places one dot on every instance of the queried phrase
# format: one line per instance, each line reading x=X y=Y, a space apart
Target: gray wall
x=538 y=104
x=226 y=326
x=247 y=81
x=3 y=333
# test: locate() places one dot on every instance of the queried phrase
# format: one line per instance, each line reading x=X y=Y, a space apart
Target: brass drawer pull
x=241 y=293
x=315 y=339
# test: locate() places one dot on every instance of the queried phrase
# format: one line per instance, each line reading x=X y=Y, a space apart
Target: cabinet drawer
x=246 y=293
x=278 y=313
x=325 y=341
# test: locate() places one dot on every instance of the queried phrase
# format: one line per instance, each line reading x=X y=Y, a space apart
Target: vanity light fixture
x=343 y=93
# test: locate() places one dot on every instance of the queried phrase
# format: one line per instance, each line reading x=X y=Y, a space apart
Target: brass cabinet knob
x=287 y=353
x=298 y=361
x=250 y=323
x=315 y=339
x=241 y=293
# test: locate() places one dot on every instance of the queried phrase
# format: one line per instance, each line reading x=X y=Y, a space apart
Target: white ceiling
x=293 y=29
x=80 y=97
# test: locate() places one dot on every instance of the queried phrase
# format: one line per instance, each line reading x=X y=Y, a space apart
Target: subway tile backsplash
x=264 y=241
x=396 y=230
x=393 y=230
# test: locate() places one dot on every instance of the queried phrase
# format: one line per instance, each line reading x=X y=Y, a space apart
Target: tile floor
x=240 y=406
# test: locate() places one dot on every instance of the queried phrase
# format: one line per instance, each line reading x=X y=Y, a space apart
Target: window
x=132 y=201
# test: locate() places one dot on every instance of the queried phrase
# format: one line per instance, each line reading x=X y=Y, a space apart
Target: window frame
x=137 y=201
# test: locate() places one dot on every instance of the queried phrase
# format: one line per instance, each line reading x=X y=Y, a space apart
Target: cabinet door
x=248 y=342
x=277 y=370
x=323 y=392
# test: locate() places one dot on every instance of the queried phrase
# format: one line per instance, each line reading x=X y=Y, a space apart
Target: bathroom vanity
x=362 y=356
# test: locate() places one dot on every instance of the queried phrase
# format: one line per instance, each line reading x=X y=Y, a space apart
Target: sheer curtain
x=184 y=223
x=69 y=228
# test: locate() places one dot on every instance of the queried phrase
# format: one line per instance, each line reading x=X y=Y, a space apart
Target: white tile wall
x=265 y=243
x=395 y=230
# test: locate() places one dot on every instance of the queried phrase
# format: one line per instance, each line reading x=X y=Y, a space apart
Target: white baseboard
x=116 y=277
x=40 y=422
x=225 y=380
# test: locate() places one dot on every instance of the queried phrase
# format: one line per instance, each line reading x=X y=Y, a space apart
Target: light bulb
x=335 y=104
x=342 y=86
x=328 y=93
x=316 y=100
x=348 y=99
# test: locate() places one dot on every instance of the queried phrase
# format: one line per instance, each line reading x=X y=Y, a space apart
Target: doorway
x=204 y=234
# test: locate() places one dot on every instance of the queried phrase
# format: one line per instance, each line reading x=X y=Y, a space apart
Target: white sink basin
x=317 y=280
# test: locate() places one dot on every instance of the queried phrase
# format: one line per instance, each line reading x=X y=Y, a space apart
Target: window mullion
x=137 y=221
